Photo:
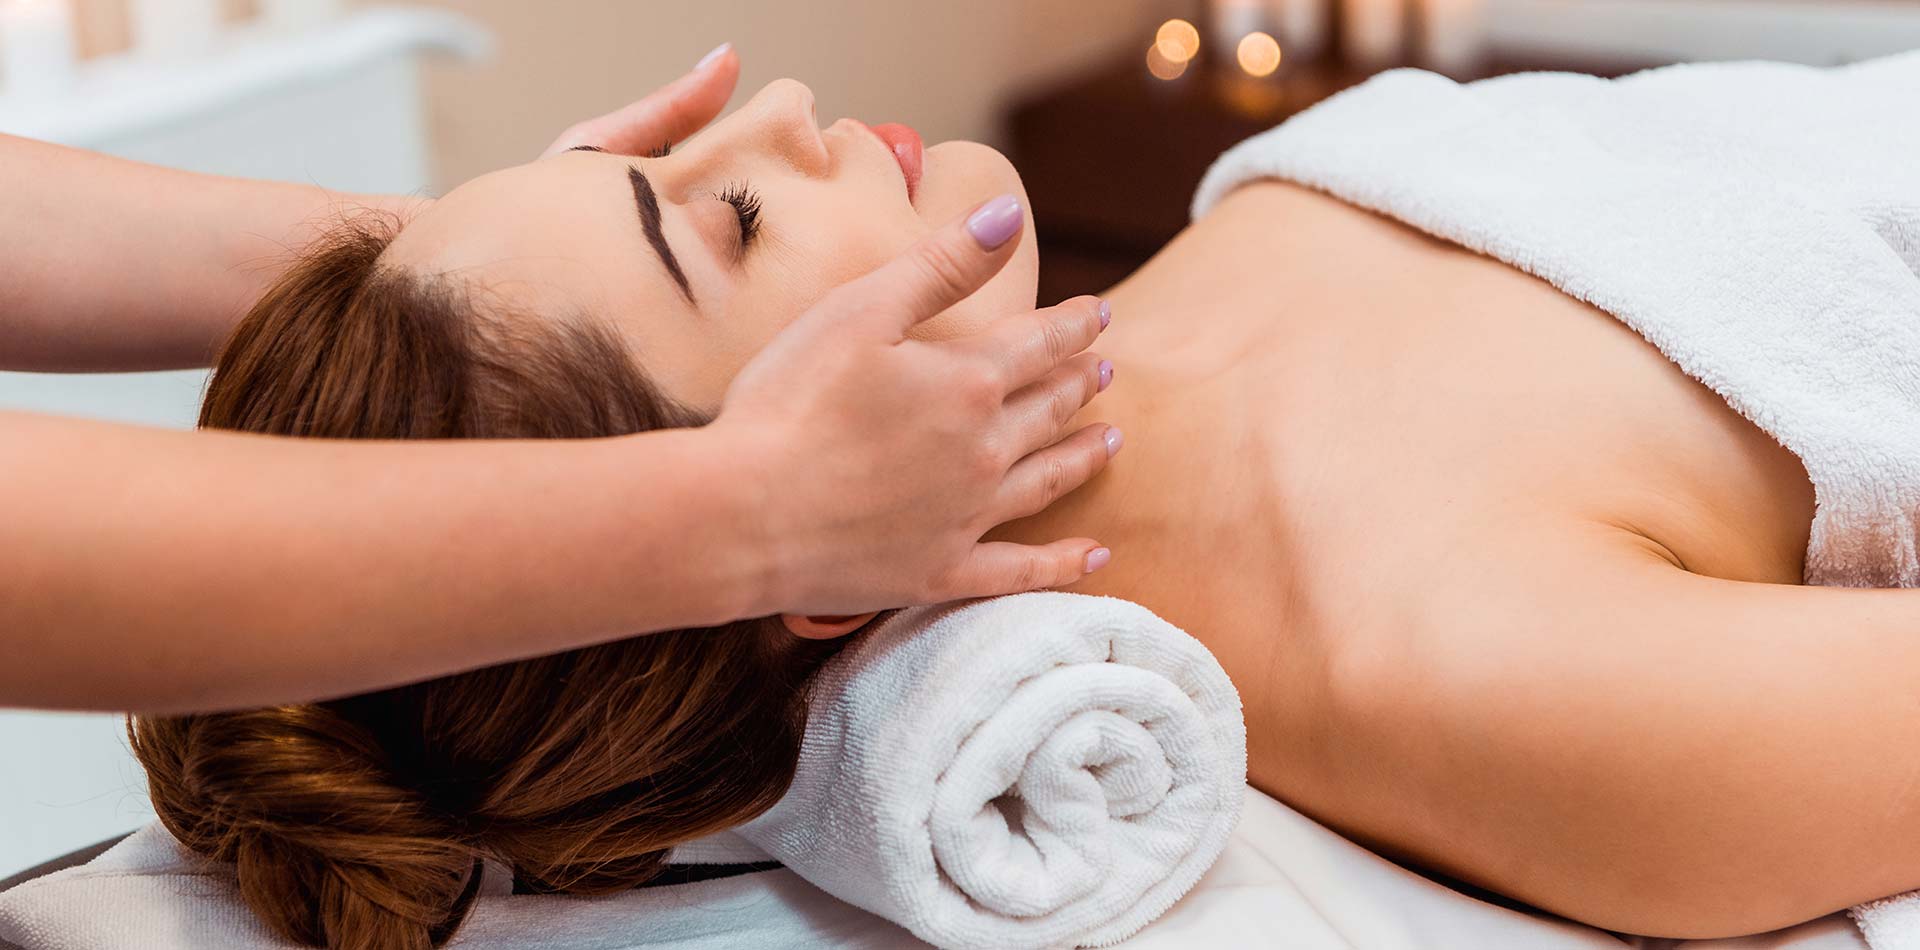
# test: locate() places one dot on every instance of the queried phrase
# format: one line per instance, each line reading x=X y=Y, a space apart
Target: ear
x=824 y=627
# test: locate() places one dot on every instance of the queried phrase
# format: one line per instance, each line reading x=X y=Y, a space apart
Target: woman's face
x=657 y=245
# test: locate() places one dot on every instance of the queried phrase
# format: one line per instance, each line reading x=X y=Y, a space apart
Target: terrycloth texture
x=1758 y=222
x=1040 y=770
x=1032 y=771
x=1892 y=923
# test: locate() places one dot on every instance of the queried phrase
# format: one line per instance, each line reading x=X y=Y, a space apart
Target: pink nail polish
x=1106 y=374
x=1106 y=314
x=1114 y=438
x=1097 y=559
x=996 y=222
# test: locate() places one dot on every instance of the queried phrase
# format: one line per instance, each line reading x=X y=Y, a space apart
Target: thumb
x=944 y=268
x=670 y=114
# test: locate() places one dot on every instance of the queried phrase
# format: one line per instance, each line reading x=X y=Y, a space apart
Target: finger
x=670 y=114
x=1046 y=476
x=1028 y=346
x=1001 y=567
x=944 y=268
x=1041 y=412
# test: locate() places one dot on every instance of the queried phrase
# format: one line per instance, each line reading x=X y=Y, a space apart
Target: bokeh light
x=1162 y=67
x=1259 y=54
x=1177 y=41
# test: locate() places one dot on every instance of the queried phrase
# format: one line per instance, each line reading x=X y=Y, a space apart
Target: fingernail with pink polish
x=1106 y=374
x=996 y=222
x=1114 y=438
x=712 y=55
x=1106 y=314
x=1097 y=559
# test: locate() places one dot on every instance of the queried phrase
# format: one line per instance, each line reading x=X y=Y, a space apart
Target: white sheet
x=1284 y=881
x=1287 y=881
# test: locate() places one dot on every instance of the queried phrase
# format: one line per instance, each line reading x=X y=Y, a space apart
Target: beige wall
x=944 y=66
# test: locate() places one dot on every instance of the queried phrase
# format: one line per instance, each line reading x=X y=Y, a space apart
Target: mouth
x=907 y=149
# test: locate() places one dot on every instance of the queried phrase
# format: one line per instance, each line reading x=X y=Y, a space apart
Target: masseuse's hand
x=670 y=114
x=886 y=459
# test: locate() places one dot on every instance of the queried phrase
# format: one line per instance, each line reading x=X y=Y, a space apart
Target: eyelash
x=745 y=201
x=746 y=205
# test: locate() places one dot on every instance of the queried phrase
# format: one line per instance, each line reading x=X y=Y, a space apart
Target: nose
x=777 y=121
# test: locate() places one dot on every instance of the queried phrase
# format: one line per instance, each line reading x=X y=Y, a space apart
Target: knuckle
x=1056 y=479
x=944 y=268
x=980 y=392
x=1026 y=574
x=1058 y=339
x=989 y=463
x=1064 y=403
x=942 y=586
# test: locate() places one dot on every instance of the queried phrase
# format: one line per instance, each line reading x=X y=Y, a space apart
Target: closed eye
x=746 y=209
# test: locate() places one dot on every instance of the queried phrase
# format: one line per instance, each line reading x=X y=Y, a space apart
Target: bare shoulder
x=1270 y=205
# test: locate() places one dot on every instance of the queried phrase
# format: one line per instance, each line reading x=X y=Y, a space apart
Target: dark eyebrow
x=649 y=208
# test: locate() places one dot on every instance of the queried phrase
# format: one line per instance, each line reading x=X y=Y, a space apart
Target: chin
x=957 y=176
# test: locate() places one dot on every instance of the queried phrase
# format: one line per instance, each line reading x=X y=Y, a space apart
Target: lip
x=907 y=149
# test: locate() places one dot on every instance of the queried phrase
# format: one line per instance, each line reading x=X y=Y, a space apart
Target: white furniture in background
x=336 y=104
x=1816 y=32
x=37 y=46
x=175 y=28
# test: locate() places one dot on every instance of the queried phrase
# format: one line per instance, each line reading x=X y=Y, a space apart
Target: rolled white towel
x=1032 y=771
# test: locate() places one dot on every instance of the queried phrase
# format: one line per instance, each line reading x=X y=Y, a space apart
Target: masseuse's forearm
x=115 y=265
x=168 y=571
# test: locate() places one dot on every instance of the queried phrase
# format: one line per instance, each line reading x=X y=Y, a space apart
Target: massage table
x=1284 y=881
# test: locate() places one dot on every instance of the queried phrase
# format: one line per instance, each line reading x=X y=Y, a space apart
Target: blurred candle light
x=1161 y=67
x=1177 y=41
x=1453 y=35
x=1374 y=32
x=1259 y=54
x=170 y=28
x=1229 y=20
x=298 y=13
x=36 y=46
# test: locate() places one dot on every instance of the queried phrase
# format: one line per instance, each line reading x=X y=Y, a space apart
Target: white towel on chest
x=1758 y=223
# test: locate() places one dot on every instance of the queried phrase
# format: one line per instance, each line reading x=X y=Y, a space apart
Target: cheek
x=829 y=243
x=960 y=175
x=837 y=233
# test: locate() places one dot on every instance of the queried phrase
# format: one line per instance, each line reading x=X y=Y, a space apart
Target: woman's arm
x=850 y=469
x=167 y=571
x=115 y=265
x=1651 y=751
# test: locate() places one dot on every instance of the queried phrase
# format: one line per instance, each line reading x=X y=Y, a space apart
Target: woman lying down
x=1506 y=592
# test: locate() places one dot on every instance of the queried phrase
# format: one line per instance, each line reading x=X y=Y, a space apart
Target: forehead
x=551 y=233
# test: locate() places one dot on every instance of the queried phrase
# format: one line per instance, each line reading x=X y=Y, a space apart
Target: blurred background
x=1111 y=108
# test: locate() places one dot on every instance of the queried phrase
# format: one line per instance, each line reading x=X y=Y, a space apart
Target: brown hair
x=362 y=822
